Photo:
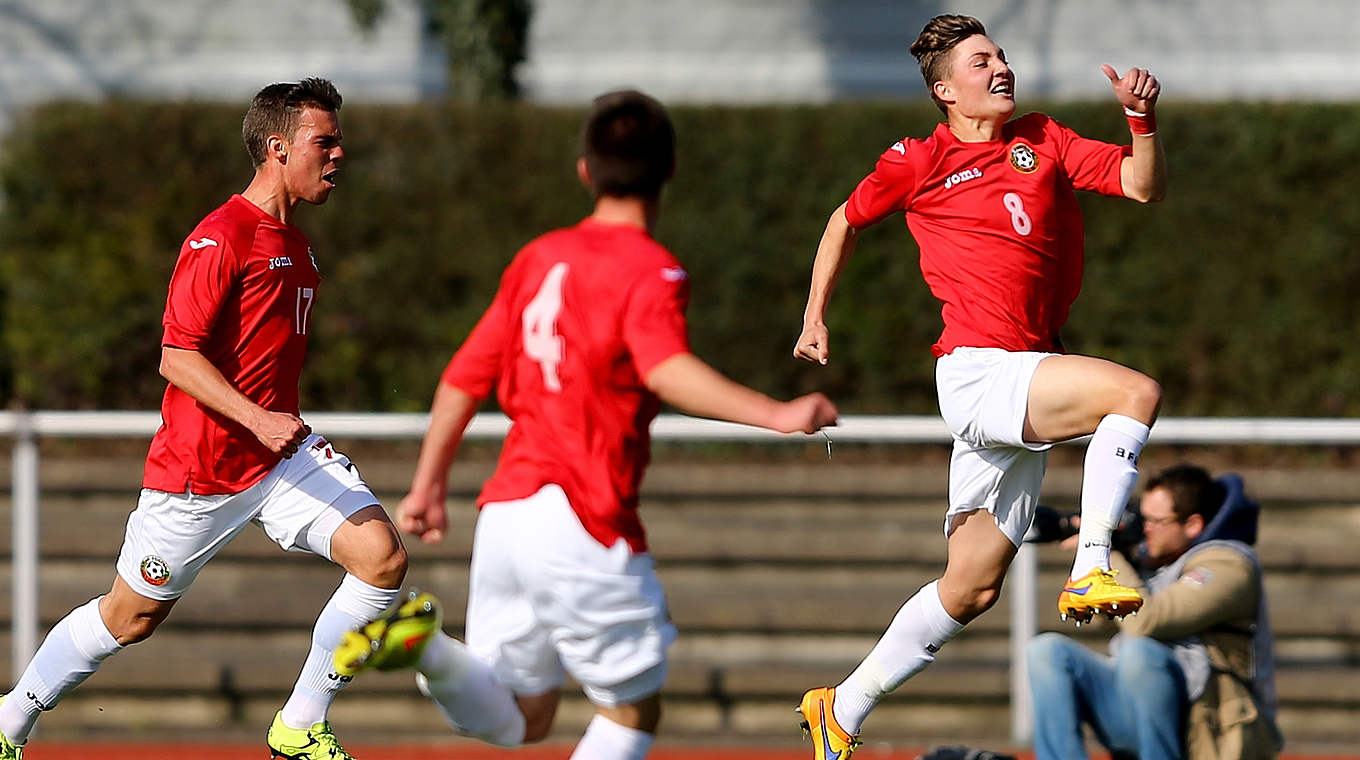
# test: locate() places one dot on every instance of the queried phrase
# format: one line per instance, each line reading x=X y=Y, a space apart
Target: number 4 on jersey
x=541 y=341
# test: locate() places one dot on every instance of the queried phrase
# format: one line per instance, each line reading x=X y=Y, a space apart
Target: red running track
x=121 y=751
x=457 y=751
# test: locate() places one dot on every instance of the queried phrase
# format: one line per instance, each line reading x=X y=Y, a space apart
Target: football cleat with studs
x=393 y=641
x=315 y=743
x=1097 y=593
x=829 y=740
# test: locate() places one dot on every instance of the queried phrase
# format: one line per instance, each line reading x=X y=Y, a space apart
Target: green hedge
x=1237 y=292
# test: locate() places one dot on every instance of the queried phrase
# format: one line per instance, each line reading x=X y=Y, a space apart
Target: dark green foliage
x=1236 y=292
x=366 y=13
x=484 y=40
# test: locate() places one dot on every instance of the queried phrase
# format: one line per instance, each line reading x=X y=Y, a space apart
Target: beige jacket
x=1215 y=598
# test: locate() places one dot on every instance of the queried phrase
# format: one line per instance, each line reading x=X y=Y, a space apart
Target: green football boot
x=315 y=743
x=393 y=641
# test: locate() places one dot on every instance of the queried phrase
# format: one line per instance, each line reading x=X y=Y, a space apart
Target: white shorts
x=545 y=599
x=984 y=396
x=299 y=504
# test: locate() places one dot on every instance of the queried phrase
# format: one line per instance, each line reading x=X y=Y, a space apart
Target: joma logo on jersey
x=963 y=176
x=276 y=262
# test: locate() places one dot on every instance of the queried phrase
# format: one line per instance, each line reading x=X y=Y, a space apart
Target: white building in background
x=209 y=49
x=820 y=50
x=732 y=51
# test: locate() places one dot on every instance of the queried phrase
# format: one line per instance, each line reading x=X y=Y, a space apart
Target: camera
x=1052 y=525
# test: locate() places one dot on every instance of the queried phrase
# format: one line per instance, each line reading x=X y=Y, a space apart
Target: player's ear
x=583 y=172
x=277 y=148
x=943 y=92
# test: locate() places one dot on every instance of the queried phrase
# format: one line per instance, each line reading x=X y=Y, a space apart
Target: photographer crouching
x=1192 y=674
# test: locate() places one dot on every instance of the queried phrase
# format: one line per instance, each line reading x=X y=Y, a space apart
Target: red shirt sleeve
x=886 y=190
x=654 y=327
x=1091 y=165
x=204 y=276
x=476 y=365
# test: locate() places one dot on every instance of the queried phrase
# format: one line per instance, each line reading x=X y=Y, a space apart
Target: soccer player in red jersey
x=232 y=449
x=991 y=203
x=584 y=339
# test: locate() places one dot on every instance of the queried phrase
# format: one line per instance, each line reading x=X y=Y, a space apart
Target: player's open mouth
x=1002 y=88
x=329 y=178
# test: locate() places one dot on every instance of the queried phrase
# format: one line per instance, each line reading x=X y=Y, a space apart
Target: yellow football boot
x=1097 y=593
x=829 y=740
x=393 y=641
x=315 y=743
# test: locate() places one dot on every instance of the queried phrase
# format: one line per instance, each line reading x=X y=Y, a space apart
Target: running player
x=990 y=202
x=584 y=339
x=231 y=449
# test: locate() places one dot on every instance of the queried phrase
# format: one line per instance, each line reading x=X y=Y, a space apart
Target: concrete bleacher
x=781 y=572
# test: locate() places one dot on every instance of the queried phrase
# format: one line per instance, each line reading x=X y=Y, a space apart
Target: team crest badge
x=1023 y=158
x=155 y=571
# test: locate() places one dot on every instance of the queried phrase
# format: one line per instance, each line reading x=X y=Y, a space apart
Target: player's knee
x=381 y=563
x=964 y=598
x=979 y=600
x=634 y=702
x=641 y=715
x=966 y=604
x=537 y=724
x=389 y=570
x=134 y=628
x=1143 y=397
x=538 y=711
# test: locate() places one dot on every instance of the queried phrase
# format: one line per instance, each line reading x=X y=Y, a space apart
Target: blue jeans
x=1136 y=703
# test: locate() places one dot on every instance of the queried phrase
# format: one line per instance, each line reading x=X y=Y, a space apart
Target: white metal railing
x=26 y=428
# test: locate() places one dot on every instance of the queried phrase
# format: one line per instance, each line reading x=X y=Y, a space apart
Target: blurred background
x=119 y=129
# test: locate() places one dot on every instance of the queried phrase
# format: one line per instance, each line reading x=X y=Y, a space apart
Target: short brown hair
x=628 y=143
x=1193 y=491
x=276 y=109
x=932 y=46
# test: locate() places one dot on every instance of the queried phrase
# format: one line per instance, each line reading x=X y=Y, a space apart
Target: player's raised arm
x=422 y=513
x=191 y=372
x=1142 y=175
x=685 y=381
x=837 y=243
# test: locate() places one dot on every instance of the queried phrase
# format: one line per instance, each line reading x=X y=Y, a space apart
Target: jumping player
x=990 y=202
x=584 y=339
x=231 y=449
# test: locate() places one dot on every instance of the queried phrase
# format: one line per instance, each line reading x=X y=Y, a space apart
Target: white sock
x=916 y=633
x=606 y=740
x=72 y=651
x=464 y=686
x=353 y=604
x=1108 y=477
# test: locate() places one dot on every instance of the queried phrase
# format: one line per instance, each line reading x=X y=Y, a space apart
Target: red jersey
x=997 y=223
x=581 y=316
x=241 y=295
